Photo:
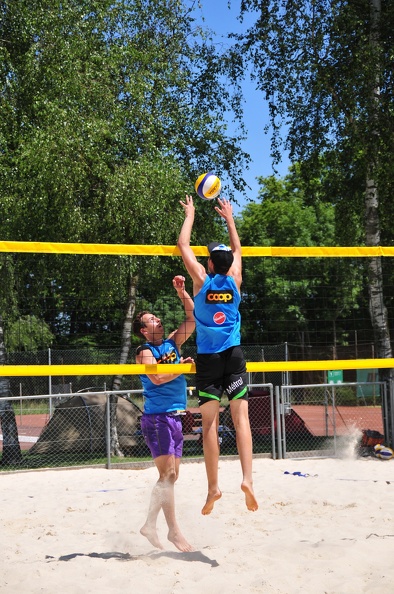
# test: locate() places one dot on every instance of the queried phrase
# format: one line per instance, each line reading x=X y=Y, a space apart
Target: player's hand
x=188 y=206
x=225 y=209
x=186 y=360
x=178 y=282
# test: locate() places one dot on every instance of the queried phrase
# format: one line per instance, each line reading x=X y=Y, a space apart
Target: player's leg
x=174 y=533
x=209 y=382
x=240 y=417
x=163 y=497
x=210 y=425
x=235 y=384
x=163 y=434
x=168 y=476
x=149 y=529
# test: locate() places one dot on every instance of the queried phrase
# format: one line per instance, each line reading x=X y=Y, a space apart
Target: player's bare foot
x=250 y=499
x=179 y=541
x=210 y=502
x=151 y=535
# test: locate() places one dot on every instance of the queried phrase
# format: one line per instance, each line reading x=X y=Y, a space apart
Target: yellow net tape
x=98 y=249
x=168 y=250
x=134 y=369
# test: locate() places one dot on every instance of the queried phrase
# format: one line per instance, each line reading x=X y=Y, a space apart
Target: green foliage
x=8 y=297
x=28 y=333
x=296 y=292
x=326 y=70
x=290 y=216
x=106 y=117
x=315 y=62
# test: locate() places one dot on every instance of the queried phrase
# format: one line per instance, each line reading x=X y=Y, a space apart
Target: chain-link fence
x=103 y=428
x=330 y=419
x=81 y=428
x=98 y=427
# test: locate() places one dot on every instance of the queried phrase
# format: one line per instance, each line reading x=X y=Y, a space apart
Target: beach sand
x=77 y=531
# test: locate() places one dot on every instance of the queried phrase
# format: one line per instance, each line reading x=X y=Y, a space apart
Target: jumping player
x=220 y=363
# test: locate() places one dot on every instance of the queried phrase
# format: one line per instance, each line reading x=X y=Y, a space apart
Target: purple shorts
x=163 y=434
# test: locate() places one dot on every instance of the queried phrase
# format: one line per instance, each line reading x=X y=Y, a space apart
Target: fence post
x=50 y=384
x=272 y=422
x=334 y=423
x=286 y=373
x=391 y=398
x=21 y=401
x=278 y=422
x=108 y=431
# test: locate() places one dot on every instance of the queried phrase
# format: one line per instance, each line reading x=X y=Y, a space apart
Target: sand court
x=77 y=531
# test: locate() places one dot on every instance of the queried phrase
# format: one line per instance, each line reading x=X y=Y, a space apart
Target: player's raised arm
x=194 y=268
x=225 y=210
x=188 y=325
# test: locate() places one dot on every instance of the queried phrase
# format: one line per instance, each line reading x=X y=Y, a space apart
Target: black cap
x=221 y=256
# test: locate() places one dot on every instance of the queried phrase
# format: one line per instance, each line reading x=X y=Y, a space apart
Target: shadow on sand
x=196 y=556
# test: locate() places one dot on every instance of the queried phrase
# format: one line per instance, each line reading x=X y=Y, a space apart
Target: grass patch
x=31 y=407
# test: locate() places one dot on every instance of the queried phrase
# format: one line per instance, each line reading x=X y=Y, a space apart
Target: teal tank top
x=166 y=397
x=218 y=321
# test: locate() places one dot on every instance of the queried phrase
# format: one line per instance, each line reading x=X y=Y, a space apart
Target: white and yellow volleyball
x=208 y=186
x=383 y=452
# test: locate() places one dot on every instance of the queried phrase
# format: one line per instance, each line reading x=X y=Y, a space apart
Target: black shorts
x=221 y=372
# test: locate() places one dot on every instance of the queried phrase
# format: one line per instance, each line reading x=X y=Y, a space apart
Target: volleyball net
x=17 y=247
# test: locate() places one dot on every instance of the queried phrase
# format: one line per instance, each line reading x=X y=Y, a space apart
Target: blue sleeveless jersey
x=171 y=395
x=218 y=321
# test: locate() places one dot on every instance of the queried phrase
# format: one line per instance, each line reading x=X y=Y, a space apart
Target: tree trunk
x=11 y=449
x=124 y=355
x=378 y=310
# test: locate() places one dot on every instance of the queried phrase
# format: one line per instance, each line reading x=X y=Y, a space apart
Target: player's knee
x=169 y=475
x=239 y=417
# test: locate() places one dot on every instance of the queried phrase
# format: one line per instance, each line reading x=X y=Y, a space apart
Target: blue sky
x=222 y=20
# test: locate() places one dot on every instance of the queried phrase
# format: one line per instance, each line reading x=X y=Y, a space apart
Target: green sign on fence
x=367 y=375
x=335 y=376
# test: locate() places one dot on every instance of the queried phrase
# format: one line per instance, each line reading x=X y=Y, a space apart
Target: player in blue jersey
x=220 y=363
x=164 y=401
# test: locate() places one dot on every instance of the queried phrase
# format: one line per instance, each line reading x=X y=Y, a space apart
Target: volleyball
x=208 y=186
x=383 y=452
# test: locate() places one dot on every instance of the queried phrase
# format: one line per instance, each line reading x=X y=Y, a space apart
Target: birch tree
x=326 y=69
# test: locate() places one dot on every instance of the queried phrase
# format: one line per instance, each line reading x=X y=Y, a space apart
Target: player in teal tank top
x=161 y=424
x=220 y=363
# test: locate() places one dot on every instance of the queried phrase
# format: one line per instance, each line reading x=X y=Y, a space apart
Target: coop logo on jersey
x=219 y=318
x=219 y=297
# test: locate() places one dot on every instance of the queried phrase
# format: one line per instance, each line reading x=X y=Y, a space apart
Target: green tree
x=326 y=69
x=107 y=116
x=297 y=294
x=28 y=334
